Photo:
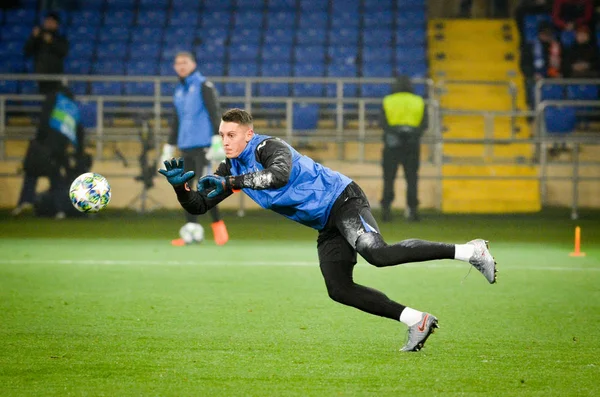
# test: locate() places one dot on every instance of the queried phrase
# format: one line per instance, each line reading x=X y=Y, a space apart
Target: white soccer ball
x=192 y=233
x=89 y=192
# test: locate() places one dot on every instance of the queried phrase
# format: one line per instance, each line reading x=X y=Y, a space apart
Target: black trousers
x=195 y=160
x=407 y=153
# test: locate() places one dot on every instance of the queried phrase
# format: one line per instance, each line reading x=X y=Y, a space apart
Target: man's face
x=184 y=66
x=50 y=24
x=582 y=37
x=235 y=137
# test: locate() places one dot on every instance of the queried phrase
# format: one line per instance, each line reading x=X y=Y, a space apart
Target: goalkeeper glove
x=174 y=172
x=218 y=183
x=167 y=152
x=216 y=151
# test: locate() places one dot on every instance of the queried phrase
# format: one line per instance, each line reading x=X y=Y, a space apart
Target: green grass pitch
x=106 y=307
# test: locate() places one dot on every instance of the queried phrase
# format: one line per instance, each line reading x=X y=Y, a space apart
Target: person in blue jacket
x=277 y=177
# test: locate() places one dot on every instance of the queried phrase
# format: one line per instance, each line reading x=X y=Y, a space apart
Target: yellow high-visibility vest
x=404 y=109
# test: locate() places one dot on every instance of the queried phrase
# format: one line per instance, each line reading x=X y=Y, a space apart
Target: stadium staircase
x=483 y=50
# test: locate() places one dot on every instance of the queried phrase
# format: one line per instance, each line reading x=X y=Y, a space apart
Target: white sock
x=410 y=316
x=463 y=252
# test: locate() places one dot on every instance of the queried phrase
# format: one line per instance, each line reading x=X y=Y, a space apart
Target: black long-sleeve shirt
x=210 y=98
x=274 y=155
x=48 y=58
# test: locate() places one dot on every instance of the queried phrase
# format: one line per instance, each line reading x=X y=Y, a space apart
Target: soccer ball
x=192 y=232
x=89 y=192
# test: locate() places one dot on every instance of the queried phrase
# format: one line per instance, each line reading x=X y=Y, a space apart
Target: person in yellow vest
x=404 y=119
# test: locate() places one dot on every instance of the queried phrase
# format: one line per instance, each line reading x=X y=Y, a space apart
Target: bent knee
x=370 y=247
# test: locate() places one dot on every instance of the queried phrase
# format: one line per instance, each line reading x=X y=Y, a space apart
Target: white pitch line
x=265 y=263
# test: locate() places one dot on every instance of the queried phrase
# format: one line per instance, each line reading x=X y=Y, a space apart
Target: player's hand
x=174 y=172
x=215 y=182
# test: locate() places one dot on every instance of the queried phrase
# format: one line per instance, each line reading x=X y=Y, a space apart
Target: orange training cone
x=577 y=251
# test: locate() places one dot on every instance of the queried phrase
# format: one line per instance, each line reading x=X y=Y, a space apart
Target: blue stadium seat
x=412 y=69
x=281 y=4
x=212 y=68
x=78 y=87
x=141 y=68
x=276 y=53
x=313 y=5
x=376 y=90
x=210 y=53
x=11 y=48
x=88 y=111
x=377 y=19
x=112 y=68
x=167 y=88
x=248 y=19
x=531 y=23
x=139 y=88
x=12 y=65
x=213 y=35
x=411 y=54
x=560 y=120
x=313 y=20
x=279 y=36
x=274 y=89
x=218 y=5
x=116 y=50
x=81 y=49
x=146 y=34
x=243 y=70
x=305 y=117
x=217 y=19
x=185 y=18
x=165 y=68
x=111 y=34
x=8 y=86
x=178 y=41
x=377 y=54
x=339 y=6
x=585 y=92
x=377 y=69
x=377 y=5
x=250 y=4
x=92 y=5
x=311 y=36
x=280 y=19
x=309 y=54
x=23 y=17
x=309 y=69
x=553 y=92
x=151 y=18
x=373 y=37
x=342 y=54
x=106 y=88
x=185 y=5
x=410 y=37
x=14 y=32
x=411 y=18
x=118 y=18
x=120 y=4
x=341 y=70
x=345 y=20
x=154 y=4
x=343 y=36
x=308 y=89
x=144 y=51
x=82 y=33
x=77 y=66
x=245 y=36
x=28 y=87
x=243 y=52
x=411 y=4
x=276 y=70
x=85 y=18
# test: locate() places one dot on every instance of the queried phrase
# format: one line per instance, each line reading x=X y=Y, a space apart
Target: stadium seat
x=585 y=92
x=279 y=36
x=81 y=49
x=276 y=69
x=141 y=68
x=210 y=53
x=311 y=36
x=377 y=5
x=243 y=52
x=145 y=51
x=308 y=90
x=78 y=87
x=343 y=36
x=77 y=66
x=340 y=6
x=411 y=19
x=560 y=120
x=377 y=19
x=342 y=54
x=14 y=32
x=212 y=68
x=185 y=42
x=276 y=53
x=341 y=70
x=218 y=19
x=167 y=88
x=28 y=87
x=274 y=89
x=118 y=17
x=139 y=88
x=410 y=37
x=374 y=37
x=410 y=54
x=154 y=4
x=313 y=5
x=106 y=88
x=531 y=23
x=309 y=54
x=309 y=69
x=313 y=19
x=280 y=19
x=185 y=5
x=11 y=48
x=248 y=19
x=92 y=5
x=377 y=69
x=552 y=92
x=242 y=70
x=151 y=17
x=250 y=4
x=213 y=35
x=218 y=5
x=411 y=4
x=85 y=18
x=412 y=69
x=305 y=117
x=115 y=50
x=281 y=4
x=113 y=68
x=376 y=90
x=120 y=4
x=184 y=18
x=246 y=36
x=110 y=34
x=20 y=17
x=8 y=86
x=82 y=33
x=147 y=34
x=373 y=53
x=165 y=68
x=345 y=19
